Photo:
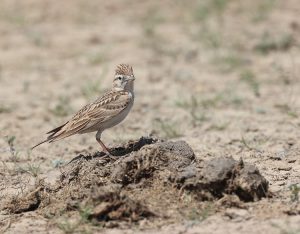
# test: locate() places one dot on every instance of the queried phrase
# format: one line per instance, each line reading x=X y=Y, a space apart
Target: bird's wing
x=103 y=109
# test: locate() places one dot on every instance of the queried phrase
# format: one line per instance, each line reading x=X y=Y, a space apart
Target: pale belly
x=116 y=120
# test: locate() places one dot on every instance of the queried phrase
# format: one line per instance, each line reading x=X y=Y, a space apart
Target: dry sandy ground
x=221 y=75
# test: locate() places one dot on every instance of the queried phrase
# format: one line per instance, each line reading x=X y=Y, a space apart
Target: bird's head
x=124 y=78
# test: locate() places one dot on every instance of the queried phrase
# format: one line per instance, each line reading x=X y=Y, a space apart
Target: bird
x=105 y=112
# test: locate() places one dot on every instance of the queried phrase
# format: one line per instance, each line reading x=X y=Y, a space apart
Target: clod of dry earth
x=123 y=189
x=114 y=206
x=225 y=176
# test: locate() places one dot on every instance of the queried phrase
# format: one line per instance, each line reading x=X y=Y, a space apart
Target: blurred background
x=215 y=70
x=222 y=75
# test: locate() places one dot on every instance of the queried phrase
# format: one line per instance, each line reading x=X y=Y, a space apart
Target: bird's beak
x=130 y=78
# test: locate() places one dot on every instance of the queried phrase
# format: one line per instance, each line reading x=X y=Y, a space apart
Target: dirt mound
x=147 y=179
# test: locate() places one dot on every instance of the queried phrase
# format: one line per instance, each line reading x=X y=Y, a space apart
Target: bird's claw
x=110 y=155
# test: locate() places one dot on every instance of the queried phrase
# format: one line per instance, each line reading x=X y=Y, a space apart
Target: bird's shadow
x=119 y=151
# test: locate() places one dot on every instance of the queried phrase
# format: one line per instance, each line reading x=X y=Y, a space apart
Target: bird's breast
x=118 y=118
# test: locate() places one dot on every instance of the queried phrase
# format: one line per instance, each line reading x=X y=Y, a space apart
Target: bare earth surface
x=210 y=146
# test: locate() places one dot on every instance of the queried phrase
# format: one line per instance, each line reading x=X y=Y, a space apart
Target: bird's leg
x=105 y=149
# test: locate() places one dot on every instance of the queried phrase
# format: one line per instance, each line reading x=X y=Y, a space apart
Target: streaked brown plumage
x=105 y=112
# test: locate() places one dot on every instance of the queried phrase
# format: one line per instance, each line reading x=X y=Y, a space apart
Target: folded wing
x=103 y=109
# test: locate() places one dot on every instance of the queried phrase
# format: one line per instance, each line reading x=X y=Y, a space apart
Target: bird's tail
x=39 y=144
x=52 y=136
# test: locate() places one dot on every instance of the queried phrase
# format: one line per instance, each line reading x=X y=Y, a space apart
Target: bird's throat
x=129 y=87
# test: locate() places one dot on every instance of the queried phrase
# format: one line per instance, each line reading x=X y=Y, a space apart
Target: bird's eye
x=120 y=78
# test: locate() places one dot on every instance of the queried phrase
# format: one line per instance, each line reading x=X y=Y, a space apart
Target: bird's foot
x=108 y=154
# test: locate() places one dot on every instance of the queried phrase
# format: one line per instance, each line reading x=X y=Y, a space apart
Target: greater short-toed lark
x=106 y=112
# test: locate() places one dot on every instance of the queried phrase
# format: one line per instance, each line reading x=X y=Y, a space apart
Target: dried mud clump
x=109 y=204
x=224 y=176
x=160 y=159
x=146 y=178
x=27 y=203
